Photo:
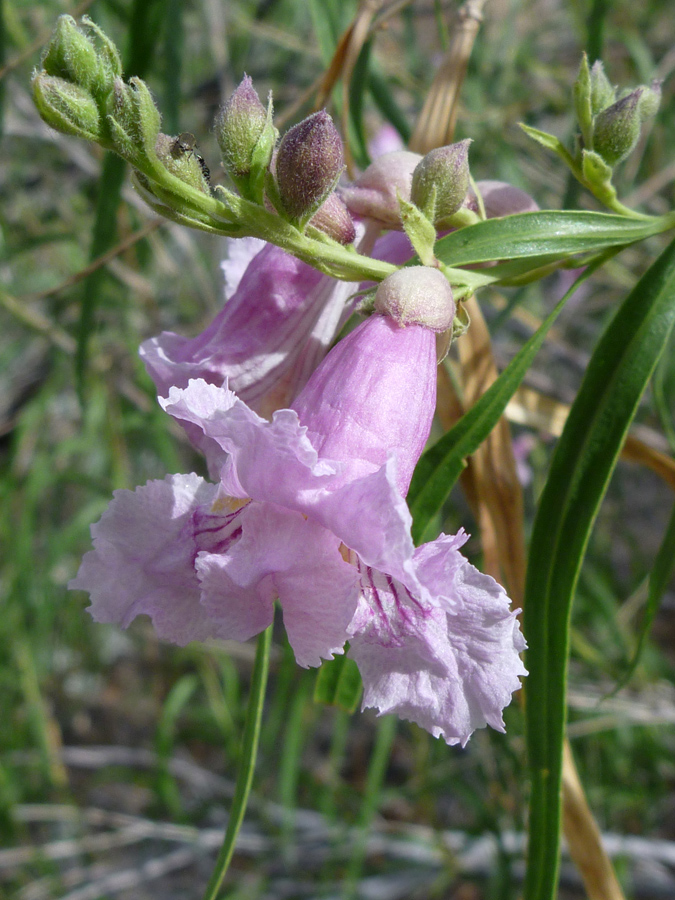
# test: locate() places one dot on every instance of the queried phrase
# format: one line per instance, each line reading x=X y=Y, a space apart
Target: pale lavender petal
x=240 y=252
x=451 y=665
x=143 y=559
x=282 y=554
x=502 y=199
x=386 y=140
x=374 y=394
x=270 y=461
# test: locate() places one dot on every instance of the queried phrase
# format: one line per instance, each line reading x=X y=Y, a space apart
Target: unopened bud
x=89 y=60
x=239 y=127
x=376 y=191
x=66 y=107
x=308 y=164
x=440 y=182
x=417 y=295
x=616 y=130
x=133 y=118
x=603 y=93
x=333 y=218
x=180 y=157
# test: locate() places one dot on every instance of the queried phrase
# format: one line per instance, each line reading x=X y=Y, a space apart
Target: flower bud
x=616 y=130
x=133 y=118
x=440 y=182
x=417 y=295
x=375 y=192
x=73 y=56
x=308 y=164
x=602 y=92
x=66 y=107
x=179 y=156
x=239 y=126
x=333 y=218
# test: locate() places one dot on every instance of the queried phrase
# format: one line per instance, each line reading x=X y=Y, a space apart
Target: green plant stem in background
x=247 y=764
x=384 y=738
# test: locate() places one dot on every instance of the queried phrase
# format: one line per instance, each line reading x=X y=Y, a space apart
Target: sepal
x=66 y=107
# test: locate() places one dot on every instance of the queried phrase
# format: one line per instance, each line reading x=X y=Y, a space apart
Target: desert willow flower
x=308 y=509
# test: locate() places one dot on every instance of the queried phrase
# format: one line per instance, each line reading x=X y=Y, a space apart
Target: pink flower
x=280 y=317
x=309 y=509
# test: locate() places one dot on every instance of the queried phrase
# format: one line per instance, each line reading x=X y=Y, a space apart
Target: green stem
x=247 y=764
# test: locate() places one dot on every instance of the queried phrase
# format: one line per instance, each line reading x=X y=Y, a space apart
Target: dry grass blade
x=436 y=123
x=583 y=837
x=536 y=410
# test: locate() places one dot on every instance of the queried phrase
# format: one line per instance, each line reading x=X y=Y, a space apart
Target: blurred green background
x=117 y=752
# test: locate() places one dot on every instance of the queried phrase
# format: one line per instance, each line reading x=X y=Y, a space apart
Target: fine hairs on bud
x=441 y=181
x=333 y=218
x=239 y=126
x=417 y=295
x=309 y=162
x=376 y=191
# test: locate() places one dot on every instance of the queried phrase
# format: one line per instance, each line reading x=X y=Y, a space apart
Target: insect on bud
x=309 y=162
x=333 y=218
x=440 y=182
x=417 y=295
x=179 y=155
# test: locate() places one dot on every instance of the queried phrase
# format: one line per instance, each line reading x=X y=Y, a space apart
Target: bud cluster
x=611 y=126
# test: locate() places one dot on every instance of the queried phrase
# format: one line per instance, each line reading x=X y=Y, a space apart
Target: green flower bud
x=180 y=157
x=333 y=218
x=133 y=119
x=309 y=163
x=616 y=130
x=603 y=93
x=66 y=107
x=581 y=92
x=74 y=56
x=239 y=127
x=440 y=182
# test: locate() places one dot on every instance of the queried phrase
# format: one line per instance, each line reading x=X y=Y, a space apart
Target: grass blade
x=582 y=465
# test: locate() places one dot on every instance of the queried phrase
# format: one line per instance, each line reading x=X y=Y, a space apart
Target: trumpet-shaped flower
x=309 y=510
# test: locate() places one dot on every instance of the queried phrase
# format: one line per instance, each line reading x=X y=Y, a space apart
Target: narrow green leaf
x=543 y=233
x=338 y=683
x=664 y=568
x=357 y=91
x=441 y=465
x=582 y=465
x=386 y=103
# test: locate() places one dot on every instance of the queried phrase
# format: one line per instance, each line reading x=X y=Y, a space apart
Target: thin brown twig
x=100 y=261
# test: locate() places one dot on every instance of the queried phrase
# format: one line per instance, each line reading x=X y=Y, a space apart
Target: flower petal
x=450 y=666
x=143 y=559
x=282 y=554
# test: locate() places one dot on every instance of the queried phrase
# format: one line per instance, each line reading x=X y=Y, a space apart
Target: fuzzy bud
x=239 y=126
x=376 y=191
x=440 y=182
x=66 y=107
x=616 y=129
x=333 y=218
x=417 y=295
x=133 y=119
x=88 y=60
x=308 y=164
x=180 y=157
x=602 y=92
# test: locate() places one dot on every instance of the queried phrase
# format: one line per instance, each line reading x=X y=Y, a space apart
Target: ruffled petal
x=282 y=554
x=143 y=559
x=452 y=665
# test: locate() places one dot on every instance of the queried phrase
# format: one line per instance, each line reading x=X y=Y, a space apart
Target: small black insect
x=187 y=143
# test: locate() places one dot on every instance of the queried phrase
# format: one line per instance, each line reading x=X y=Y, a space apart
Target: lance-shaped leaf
x=582 y=465
x=543 y=233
